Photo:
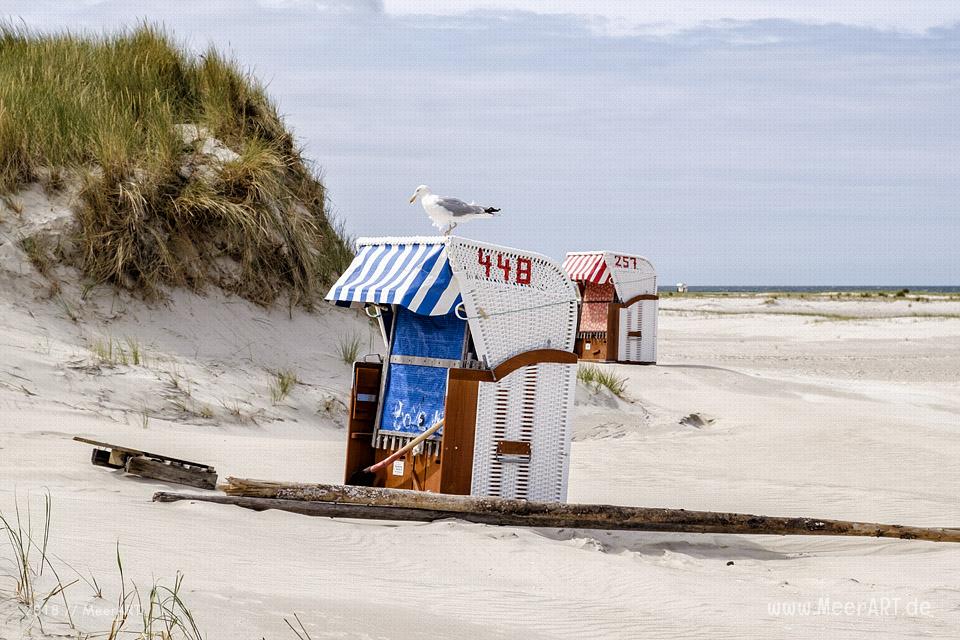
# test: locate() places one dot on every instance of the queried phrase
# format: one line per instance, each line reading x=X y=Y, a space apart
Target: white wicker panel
x=630 y=320
x=631 y=275
x=640 y=316
x=648 y=325
x=508 y=312
x=533 y=404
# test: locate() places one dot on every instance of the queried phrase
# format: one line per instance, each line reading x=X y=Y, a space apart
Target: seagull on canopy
x=447 y=213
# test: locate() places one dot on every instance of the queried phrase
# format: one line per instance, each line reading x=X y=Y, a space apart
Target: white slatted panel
x=630 y=320
x=533 y=404
x=648 y=325
x=640 y=316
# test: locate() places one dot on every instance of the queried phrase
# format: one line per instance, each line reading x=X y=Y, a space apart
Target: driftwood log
x=396 y=504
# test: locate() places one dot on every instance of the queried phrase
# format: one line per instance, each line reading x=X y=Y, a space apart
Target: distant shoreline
x=830 y=289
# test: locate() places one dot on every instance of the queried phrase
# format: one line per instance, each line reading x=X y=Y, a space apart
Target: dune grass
x=282 y=384
x=348 y=347
x=596 y=377
x=107 y=112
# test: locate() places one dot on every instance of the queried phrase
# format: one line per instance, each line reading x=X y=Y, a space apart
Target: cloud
x=764 y=151
x=630 y=17
x=333 y=6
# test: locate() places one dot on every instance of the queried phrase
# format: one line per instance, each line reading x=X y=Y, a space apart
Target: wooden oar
x=366 y=477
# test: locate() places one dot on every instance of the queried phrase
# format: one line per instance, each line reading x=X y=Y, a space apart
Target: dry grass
x=14 y=204
x=29 y=547
x=38 y=253
x=154 y=210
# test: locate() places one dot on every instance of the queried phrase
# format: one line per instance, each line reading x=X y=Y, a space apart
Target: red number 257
x=521 y=275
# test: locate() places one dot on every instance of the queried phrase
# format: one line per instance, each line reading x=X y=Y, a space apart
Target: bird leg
x=453 y=225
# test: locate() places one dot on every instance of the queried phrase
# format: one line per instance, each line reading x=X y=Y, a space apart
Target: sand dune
x=846 y=419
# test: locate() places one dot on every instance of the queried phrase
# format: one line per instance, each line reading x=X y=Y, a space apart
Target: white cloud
x=624 y=17
x=336 y=6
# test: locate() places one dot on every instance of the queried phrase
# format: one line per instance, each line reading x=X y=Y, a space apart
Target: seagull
x=449 y=212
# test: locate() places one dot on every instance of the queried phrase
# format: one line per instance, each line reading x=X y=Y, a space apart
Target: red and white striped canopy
x=586 y=267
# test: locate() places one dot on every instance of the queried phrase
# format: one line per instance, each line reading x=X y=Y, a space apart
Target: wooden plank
x=361 y=419
x=459 y=433
x=421 y=473
x=642 y=296
x=158 y=470
x=496 y=511
x=477 y=375
x=513 y=448
x=534 y=356
x=613 y=332
x=137 y=452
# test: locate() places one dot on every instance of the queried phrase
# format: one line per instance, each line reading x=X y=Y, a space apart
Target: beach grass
x=595 y=376
x=348 y=347
x=108 y=113
x=282 y=384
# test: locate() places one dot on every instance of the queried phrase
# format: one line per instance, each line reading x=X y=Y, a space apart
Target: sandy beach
x=808 y=414
x=210 y=224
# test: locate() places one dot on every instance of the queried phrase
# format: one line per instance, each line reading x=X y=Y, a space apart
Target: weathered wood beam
x=156 y=470
x=396 y=504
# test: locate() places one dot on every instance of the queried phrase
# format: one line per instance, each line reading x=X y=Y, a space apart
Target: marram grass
x=107 y=112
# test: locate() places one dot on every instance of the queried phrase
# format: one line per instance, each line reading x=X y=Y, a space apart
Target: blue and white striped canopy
x=412 y=273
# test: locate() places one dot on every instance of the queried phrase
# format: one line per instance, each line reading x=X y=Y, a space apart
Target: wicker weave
x=631 y=281
x=533 y=404
x=507 y=318
x=514 y=302
x=629 y=276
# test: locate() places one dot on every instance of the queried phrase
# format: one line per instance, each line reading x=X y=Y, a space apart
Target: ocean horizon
x=812 y=288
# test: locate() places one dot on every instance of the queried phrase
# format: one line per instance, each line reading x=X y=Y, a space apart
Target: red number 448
x=521 y=274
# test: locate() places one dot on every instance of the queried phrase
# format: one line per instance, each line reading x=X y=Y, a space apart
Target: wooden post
x=613 y=331
x=392 y=504
x=362 y=417
x=157 y=470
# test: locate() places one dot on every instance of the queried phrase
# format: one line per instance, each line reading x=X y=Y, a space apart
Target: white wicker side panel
x=648 y=325
x=639 y=317
x=630 y=320
x=511 y=311
x=533 y=404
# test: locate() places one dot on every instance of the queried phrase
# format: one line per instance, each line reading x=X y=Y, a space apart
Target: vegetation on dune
x=595 y=377
x=186 y=173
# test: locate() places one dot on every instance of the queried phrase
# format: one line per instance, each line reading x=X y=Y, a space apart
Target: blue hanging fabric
x=415 y=395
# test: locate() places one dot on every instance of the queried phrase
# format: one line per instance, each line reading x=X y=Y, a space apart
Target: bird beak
x=412 y=198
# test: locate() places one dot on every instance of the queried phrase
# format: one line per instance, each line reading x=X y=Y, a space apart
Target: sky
x=745 y=142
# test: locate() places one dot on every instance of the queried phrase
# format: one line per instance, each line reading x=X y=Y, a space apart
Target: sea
x=815 y=289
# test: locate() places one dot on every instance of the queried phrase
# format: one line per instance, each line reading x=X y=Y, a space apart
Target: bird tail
x=491 y=211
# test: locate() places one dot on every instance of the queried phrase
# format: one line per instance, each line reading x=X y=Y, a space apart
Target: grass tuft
x=135 y=118
x=282 y=384
x=38 y=253
x=112 y=352
x=302 y=632
x=348 y=347
x=596 y=377
x=14 y=204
